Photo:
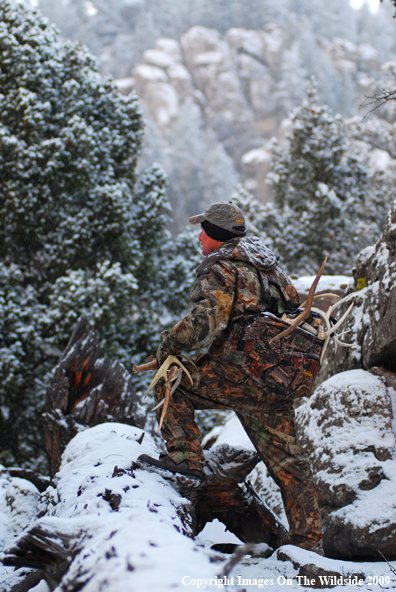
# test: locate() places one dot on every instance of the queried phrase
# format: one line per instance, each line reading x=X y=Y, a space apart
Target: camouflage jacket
x=227 y=288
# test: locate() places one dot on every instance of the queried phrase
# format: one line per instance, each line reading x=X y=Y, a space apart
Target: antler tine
x=337 y=304
x=342 y=343
x=328 y=327
x=342 y=319
x=331 y=330
x=174 y=374
x=308 y=305
x=177 y=381
x=317 y=296
x=162 y=372
x=322 y=314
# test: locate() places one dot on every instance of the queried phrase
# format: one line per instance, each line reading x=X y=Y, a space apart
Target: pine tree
x=325 y=198
x=77 y=235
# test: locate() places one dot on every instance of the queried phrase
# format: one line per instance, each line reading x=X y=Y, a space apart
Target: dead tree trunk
x=48 y=552
x=87 y=389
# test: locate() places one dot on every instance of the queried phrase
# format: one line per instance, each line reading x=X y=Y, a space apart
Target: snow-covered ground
x=143 y=545
x=327 y=283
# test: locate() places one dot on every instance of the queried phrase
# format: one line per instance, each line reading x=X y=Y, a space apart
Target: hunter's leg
x=179 y=429
x=274 y=439
x=180 y=432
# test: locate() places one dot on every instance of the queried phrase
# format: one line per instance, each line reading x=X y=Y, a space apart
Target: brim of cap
x=196 y=219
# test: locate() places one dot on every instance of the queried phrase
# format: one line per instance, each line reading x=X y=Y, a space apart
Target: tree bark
x=87 y=389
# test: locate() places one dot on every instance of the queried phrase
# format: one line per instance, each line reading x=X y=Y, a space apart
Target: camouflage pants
x=269 y=423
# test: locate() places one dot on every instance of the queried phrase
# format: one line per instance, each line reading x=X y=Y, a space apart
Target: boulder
x=156 y=57
x=247 y=41
x=169 y=46
x=346 y=431
x=256 y=165
x=209 y=59
x=145 y=73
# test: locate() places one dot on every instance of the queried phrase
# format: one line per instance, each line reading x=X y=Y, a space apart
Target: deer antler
x=172 y=374
x=162 y=372
x=307 y=310
x=317 y=296
x=330 y=331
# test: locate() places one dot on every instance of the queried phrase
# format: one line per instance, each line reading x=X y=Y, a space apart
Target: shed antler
x=308 y=305
x=162 y=372
x=171 y=374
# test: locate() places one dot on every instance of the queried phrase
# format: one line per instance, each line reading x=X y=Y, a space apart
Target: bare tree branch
x=378 y=99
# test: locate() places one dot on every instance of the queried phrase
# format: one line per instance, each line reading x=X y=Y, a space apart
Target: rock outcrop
x=346 y=431
x=240 y=85
x=371 y=327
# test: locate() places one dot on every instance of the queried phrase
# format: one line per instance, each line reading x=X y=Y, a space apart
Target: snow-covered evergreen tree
x=325 y=198
x=76 y=236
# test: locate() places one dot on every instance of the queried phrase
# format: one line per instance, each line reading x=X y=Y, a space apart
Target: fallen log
x=50 y=545
x=48 y=552
x=220 y=496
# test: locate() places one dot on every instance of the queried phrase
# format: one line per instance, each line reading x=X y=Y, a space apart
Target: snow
x=354 y=422
x=18 y=503
x=231 y=433
x=143 y=541
x=142 y=545
x=380 y=160
x=326 y=283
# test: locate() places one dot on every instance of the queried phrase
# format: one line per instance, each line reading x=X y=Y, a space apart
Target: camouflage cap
x=224 y=214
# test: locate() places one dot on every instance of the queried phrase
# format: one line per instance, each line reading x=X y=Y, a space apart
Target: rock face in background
x=217 y=80
x=372 y=324
x=238 y=86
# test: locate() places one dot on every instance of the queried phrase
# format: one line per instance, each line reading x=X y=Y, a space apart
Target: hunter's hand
x=162 y=353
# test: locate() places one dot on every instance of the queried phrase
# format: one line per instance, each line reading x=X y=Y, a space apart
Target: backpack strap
x=271 y=302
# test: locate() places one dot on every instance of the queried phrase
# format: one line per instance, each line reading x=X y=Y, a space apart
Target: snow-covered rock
x=346 y=431
x=18 y=506
x=371 y=326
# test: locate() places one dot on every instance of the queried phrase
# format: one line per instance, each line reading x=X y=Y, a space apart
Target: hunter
x=239 y=296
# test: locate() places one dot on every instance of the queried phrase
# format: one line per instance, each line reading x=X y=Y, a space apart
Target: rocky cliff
x=240 y=86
